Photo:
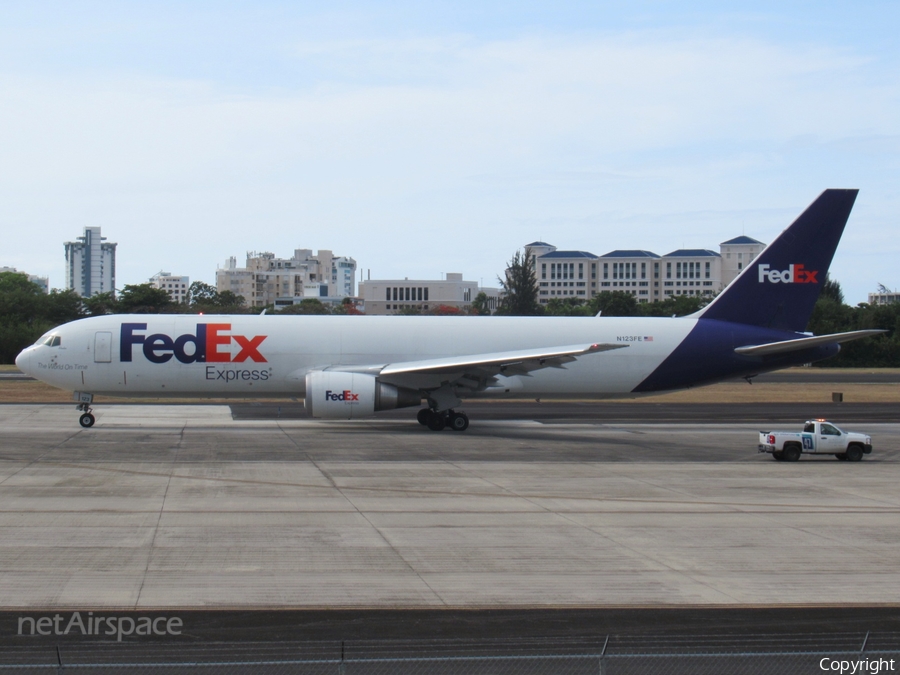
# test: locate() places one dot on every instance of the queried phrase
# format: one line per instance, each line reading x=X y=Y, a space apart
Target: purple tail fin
x=780 y=287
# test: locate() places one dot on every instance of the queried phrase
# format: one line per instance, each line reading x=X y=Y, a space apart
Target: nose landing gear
x=87 y=419
x=84 y=405
x=437 y=421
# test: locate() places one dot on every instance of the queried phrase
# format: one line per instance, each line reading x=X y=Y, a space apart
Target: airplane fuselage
x=269 y=356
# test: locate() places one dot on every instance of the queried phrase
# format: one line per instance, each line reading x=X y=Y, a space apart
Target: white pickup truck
x=818 y=437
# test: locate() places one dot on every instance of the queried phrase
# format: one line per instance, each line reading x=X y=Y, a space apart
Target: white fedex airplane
x=350 y=367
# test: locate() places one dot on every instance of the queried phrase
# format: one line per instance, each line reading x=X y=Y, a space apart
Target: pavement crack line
x=362 y=515
x=38 y=459
x=162 y=508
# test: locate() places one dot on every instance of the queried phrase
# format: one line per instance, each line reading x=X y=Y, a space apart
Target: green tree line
x=26 y=312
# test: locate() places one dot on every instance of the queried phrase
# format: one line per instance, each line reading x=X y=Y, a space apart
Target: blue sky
x=422 y=138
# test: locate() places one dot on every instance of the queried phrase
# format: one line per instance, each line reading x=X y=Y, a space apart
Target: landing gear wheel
x=791 y=453
x=436 y=421
x=87 y=420
x=778 y=455
x=854 y=453
x=459 y=421
x=422 y=416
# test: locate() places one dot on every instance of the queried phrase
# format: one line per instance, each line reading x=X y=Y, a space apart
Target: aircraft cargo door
x=102 y=347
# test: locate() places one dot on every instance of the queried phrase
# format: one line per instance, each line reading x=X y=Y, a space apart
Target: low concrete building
x=393 y=296
x=884 y=296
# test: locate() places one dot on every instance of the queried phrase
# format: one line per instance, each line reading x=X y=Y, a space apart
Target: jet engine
x=347 y=395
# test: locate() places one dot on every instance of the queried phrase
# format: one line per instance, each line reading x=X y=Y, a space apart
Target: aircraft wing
x=477 y=370
x=804 y=343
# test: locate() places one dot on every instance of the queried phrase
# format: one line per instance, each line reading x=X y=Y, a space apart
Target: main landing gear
x=87 y=419
x=437 y=421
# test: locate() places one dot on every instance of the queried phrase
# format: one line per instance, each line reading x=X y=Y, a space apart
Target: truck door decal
x=807 y=442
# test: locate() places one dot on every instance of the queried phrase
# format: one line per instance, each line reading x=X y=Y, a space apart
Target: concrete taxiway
x=186 y=506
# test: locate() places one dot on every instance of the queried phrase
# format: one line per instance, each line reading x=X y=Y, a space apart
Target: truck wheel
x=854 y=453
x=777 y=455
x=791 y=453
x=841 y=456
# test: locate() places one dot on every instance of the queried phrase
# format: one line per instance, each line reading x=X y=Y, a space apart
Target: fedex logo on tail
x=794 y=274
x=204 y=346
x=345 y=395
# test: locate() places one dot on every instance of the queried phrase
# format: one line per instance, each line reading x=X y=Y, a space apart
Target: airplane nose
x=23 y=360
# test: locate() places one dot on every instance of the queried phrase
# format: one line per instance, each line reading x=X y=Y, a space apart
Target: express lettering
x=228 y=375
x=794 y=274
x=204 y=346
x=342 y=396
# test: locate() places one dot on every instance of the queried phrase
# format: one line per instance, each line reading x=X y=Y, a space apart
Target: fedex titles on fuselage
x=205 y=345
x=794 y=274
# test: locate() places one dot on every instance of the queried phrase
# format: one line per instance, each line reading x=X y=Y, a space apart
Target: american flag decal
x=648 y=338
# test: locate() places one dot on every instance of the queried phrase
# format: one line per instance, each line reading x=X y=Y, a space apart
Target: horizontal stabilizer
x=804 y=343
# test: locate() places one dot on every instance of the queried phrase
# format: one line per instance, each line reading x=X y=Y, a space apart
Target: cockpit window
x=50 y=341
x=55 y=342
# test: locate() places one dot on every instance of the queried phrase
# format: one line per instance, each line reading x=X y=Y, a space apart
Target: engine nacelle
x=343 y=395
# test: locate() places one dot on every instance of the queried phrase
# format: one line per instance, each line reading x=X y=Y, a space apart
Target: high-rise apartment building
x=91 y=264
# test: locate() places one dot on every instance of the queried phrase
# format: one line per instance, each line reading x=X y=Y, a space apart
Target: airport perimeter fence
x=853 y=653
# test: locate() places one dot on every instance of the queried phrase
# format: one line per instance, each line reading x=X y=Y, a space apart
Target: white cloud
x=383 y=145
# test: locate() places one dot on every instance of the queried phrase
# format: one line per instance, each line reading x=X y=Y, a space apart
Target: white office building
x=692 y=272
x=176 y=286
x=267 y=280
x=736 y=254
x=91 y=264
x=564 y=274
x=631 y=271
x=645 y=275
x=393 y=296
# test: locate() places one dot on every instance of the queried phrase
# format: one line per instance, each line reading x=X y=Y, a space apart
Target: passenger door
x=102 y=347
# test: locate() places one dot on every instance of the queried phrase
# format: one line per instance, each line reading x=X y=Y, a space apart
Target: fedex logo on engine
x=345 y=395
x=202 y=346
x=794 y=274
